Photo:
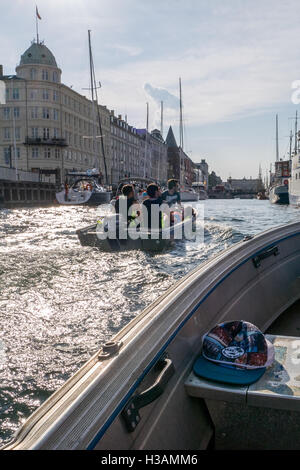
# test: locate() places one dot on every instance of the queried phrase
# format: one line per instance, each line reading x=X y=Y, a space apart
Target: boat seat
x=279 y=387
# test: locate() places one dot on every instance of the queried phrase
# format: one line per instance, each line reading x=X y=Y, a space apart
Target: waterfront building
x=124 y=149
x=245 y=185
x=153 y=155
x=53 y=125
x=180 y=165
x=201 y=172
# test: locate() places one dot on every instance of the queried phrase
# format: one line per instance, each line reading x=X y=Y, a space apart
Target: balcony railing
x=57 y=141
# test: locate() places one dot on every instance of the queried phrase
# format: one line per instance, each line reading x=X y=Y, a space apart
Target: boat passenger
x=154 y=198
x=127 y=193
x=172 y=195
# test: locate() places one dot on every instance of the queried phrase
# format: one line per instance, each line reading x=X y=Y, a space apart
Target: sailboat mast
x=291 y=140
x=146 y=139
x=95 y=102
x=180 y=130
x=92 y=94
x=277 y=149
x=181 y=126
x=296 y=125
x=161 y=133
x=162 y=118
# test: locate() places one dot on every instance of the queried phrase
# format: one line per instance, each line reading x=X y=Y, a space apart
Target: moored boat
x=189 y=195
x=294 y=181
x=139 y=390
x=279 y=194
x=85 y=190
x=278 y=191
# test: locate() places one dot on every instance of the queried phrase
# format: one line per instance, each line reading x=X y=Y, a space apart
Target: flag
x=37 y=14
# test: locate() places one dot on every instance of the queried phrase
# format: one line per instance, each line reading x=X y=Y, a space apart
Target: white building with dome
x=52 y=123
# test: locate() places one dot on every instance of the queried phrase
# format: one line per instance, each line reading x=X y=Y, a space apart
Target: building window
x=57 y=153
x=16 y=113
x=45 y=95
x=55 y=114
x=17 y=133
x=33 y=74
x=6 y=113
x=6 y=133
x=18 y=152
x=46 y=133
x=35 y=152
x=33 y=94
x=16 y=94
x=34 y=113
x=7 y=155
x=34 y=132
x=55 y=95
x=47 y=152
x=7 y=93
x=45 y=75
x=55 y=133
x=46 y=113
x=55 y=77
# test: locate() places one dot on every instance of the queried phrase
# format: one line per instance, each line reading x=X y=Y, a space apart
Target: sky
x=237 y=60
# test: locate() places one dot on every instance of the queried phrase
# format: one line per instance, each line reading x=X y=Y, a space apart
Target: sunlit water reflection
x=59 y=301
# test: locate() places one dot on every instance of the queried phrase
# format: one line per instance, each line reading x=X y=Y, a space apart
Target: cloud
x=132 y=51
x=159 y=94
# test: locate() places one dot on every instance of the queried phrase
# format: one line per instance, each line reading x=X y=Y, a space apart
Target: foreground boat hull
x=89 y=411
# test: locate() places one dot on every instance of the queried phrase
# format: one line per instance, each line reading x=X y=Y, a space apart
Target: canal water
x=60 y=301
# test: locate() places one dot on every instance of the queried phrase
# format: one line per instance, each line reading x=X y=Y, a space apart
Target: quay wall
x=26 y=193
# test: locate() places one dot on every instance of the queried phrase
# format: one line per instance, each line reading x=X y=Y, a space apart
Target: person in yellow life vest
x=128 y=195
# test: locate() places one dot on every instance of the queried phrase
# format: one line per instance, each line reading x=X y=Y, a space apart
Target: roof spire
x=170 y=140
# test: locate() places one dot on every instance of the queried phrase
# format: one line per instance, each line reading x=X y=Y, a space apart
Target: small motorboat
x=103 y=234
x=139 y=390
x=85 y=190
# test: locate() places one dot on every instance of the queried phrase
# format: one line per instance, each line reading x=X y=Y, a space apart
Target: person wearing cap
x=172 y=195
x=154 y=198
x=128 y=195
